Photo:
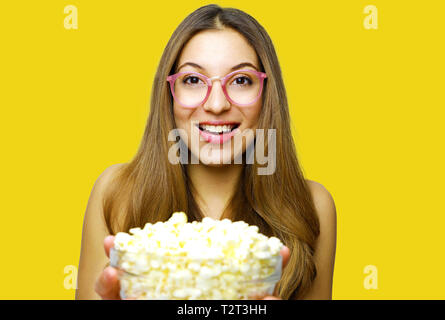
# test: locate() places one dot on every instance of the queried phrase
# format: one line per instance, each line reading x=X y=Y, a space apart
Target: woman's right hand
x=107 y=285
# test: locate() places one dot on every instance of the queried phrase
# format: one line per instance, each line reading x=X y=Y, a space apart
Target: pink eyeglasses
x=241 y=87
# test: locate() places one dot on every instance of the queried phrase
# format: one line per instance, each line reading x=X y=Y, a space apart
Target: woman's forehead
x=218 y=49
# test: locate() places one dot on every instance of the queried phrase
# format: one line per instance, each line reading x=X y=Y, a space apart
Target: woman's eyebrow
x=238 y=66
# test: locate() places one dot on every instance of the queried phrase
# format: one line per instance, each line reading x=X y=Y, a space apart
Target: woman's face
x=217 y=52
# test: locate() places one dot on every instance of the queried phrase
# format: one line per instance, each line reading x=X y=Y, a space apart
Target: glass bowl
x=181 y=278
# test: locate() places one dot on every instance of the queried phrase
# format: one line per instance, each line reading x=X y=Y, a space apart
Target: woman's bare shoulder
x=323 y=200
x=94 y=208
x=106 y=177
x=110 y=172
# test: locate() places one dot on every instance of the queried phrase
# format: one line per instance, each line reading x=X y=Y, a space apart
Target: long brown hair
x=149 y=188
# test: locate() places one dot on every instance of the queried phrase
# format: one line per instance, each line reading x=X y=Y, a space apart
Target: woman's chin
x=216 y=158
x=215 y=162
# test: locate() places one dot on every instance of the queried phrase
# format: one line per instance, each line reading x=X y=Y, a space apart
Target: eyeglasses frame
x=172 y=78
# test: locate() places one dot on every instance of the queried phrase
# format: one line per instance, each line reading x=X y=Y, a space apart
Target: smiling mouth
x=218 y=129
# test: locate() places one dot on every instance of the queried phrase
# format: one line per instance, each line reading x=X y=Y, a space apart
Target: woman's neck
x=214 y=186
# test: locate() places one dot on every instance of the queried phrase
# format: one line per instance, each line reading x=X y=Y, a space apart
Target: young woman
x=218 y=79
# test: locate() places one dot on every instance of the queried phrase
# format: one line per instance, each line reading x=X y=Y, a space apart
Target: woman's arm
x=92 y=256
x=326 y=243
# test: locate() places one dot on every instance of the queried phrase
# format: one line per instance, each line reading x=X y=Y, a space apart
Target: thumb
x=108 y=244
x=285 y=253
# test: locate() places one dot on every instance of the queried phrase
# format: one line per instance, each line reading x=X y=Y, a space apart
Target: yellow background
x=367 y=109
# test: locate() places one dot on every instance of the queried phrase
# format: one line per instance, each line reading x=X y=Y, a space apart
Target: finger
x=255 y=297
x=285 y=253
x=107 y=286
x=270 y=298
x=108 y=244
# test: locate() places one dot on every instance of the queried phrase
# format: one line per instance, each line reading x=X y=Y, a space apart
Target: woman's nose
x=217 y=101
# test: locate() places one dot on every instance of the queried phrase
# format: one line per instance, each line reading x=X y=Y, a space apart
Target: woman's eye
x=191 y=80
x=242 y=81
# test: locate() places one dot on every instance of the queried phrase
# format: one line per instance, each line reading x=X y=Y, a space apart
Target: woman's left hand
x=285 y=253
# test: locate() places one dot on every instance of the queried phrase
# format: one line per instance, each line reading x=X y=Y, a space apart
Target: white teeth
x=217 y=129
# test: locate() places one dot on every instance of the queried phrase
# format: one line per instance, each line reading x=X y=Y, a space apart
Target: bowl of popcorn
x=207 y=260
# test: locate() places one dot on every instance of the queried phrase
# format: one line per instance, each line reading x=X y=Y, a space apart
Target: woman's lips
x=217 y=138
